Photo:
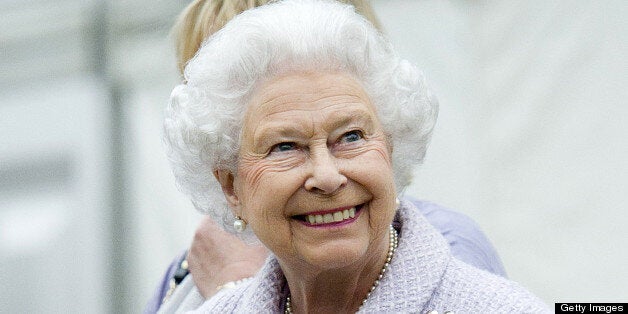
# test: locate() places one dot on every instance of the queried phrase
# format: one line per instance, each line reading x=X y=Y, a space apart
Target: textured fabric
x=422 y=276
x=466 y=241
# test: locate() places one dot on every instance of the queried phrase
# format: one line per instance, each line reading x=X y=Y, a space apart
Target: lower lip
x=334 y=224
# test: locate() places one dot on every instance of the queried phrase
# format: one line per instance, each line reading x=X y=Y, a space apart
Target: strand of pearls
x=392 y=246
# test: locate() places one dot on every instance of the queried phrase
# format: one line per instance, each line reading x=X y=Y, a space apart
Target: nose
x=325 y=176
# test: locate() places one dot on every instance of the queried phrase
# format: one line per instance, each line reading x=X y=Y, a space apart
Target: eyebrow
x=284 y=130
x=352 y=116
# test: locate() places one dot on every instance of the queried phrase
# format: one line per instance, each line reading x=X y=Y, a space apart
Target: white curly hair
x=203 y=120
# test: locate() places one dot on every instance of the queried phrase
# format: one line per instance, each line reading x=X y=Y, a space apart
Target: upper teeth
x=331 y=217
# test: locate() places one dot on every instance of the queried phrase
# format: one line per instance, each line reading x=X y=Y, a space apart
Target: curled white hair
x=204 y=118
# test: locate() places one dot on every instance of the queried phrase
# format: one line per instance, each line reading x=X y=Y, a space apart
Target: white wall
x=74 y=81
x=54 y=226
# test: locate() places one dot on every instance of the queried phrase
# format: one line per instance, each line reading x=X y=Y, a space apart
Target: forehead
x=308 y=93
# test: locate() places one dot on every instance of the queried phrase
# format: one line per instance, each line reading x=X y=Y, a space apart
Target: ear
x=226 y=180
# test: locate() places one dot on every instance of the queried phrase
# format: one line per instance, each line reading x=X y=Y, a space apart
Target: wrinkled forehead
x=306 y=91
x=303 y=102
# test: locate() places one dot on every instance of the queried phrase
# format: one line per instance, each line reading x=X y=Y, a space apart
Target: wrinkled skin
x=312 y=143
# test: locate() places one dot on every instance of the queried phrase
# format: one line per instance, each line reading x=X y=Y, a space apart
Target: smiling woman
x=312 y=148
x=298 y=123
x=206 y=114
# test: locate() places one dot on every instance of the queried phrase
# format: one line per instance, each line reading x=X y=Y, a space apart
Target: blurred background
x=531 y=143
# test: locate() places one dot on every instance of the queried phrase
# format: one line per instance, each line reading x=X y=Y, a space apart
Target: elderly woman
x=299 y=126
x=216 y=258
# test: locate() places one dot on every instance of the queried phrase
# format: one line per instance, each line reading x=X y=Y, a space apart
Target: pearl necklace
x=392 y=246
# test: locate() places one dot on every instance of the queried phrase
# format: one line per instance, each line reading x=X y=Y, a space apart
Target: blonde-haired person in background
x=202 y=18
x=217 y=258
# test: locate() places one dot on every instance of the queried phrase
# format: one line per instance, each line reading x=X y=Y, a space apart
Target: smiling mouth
x=331 y=217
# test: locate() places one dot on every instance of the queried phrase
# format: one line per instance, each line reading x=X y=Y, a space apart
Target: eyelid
x=274 y=148
x=358 y=131
x=341 y=138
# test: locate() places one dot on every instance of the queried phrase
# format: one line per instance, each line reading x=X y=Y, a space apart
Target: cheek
x=384 y=153
x=254 y=172
x=373 y=170
x=266 y=186
x=374 y=158
x=254 y=177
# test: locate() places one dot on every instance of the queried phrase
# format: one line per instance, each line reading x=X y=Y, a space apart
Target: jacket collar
x=417 y=268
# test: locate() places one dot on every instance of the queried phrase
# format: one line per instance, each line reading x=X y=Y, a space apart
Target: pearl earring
x=239 y=224
x=397 y=202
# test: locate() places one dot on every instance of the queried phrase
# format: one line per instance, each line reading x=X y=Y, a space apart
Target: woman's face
x=314 y=177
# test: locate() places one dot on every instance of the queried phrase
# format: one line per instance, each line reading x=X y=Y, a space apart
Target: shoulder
x=430 y=271
x=263 y=293
x=466 y=240
x=444 y=218
x=467 y=289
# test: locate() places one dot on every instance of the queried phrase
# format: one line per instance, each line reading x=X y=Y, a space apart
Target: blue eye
x=352 y=136
x=284 y=147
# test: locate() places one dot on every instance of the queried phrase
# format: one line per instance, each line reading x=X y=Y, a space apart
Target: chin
x=336 y=255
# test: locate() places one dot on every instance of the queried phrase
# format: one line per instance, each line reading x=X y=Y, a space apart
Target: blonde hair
x=202 y=18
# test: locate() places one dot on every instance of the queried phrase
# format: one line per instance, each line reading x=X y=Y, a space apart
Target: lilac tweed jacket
x=423 y=276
